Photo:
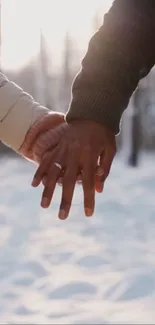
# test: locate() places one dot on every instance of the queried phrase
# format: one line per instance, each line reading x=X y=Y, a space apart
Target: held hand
x=40 y=137
x=82 y=146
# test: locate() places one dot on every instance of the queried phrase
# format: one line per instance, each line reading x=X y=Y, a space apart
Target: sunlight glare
x=22 y=20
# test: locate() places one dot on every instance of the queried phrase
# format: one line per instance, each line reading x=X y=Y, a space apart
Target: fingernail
x=101 y=187
x=45 y=202
x=34 y=182
x=88 y=212
x=100 y=171
x=62 y=214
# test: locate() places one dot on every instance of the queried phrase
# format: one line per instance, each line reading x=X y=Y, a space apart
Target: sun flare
x=23 y=19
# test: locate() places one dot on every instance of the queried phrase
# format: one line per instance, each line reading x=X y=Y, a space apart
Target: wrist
x=93 y=125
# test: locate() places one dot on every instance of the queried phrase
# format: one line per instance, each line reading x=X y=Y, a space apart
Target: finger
x=88 y=182
x=100 y=174
x=99 y=183
x=68 y=186
x=42 y=169
x=99 y=169
x=53 y=175
x=60 y=181
x=106 y=160
x=44 y=180
x=79 y=179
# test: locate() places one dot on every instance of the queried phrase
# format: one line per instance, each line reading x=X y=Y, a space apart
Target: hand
x=82 y=146
x=40 y=136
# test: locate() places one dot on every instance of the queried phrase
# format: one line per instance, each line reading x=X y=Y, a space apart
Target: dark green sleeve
x=119 y=55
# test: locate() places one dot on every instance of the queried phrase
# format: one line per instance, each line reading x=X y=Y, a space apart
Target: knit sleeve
x=119 y=55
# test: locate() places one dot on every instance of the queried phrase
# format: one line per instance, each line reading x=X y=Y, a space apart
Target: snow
x=98 y=270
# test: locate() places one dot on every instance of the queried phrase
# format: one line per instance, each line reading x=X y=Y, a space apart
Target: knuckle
x=49 y=186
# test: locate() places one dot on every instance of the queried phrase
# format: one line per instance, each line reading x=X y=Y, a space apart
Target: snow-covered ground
x=81 y=271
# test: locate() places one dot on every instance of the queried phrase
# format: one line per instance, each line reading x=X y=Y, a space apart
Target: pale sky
x=22 y=20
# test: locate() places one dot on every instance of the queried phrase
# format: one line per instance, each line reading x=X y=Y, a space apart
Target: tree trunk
x=135 y=131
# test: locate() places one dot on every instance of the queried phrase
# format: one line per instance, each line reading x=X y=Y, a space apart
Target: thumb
x=50 y=121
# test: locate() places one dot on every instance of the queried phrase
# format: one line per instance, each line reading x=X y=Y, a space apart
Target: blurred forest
x=53 y=89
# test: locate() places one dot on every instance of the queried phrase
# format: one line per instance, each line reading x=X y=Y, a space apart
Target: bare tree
x=68 y=74
x=135 y=130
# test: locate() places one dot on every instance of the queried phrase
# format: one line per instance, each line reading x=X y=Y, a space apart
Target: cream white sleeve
x=18 y=112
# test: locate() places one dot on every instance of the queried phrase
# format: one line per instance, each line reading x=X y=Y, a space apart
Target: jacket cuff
x=98 y=107
x=18 y=112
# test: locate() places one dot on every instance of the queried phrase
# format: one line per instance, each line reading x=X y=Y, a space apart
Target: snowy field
x=99 y=270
